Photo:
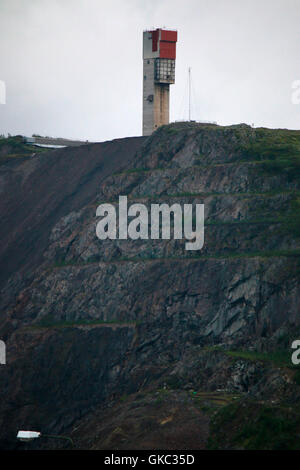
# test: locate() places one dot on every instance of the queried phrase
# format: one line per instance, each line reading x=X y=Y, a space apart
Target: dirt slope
x=36 y=192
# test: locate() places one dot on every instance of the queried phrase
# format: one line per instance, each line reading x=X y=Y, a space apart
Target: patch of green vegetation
x=255 y=427
x=132 y=170
x=280 y=357
x=253 y=254
x=284 y=164
x=270 y=430
x=49 y=322
x=124 y=397
x=217 y=256
x=291 y=221
x=171 y=130
x=279 y=150
x=270 y=254
x=15 y=147
x=185 y=194
x=213 y=400
x=262 y=221
x=16 y=143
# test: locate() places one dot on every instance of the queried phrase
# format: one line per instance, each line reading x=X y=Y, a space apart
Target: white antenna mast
x=189 y=93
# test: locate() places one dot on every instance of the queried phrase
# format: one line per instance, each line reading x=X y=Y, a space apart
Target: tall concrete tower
x=159 y=54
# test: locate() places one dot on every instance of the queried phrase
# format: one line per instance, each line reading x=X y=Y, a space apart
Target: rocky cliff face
x=95 y=329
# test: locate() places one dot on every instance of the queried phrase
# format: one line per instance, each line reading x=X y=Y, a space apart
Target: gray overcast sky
x=73 y=68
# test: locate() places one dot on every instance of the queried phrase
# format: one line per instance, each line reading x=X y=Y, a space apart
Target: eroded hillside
x=143 y=331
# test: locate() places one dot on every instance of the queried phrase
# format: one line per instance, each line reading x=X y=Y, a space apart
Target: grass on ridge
x=49 y=322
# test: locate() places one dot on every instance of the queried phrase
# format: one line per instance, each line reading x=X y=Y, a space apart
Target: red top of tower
x=164 y=41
